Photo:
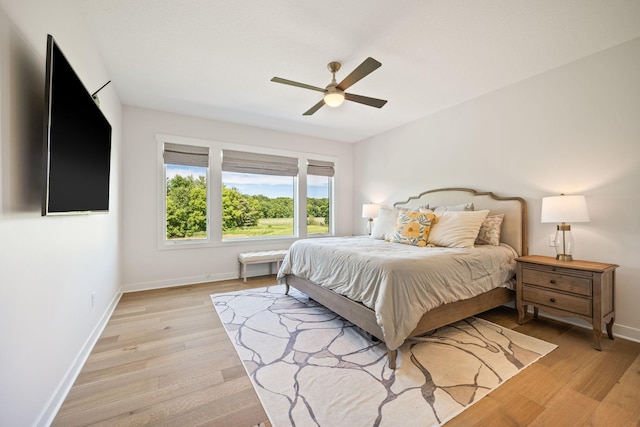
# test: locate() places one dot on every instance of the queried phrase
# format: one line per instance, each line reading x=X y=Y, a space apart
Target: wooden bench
x=260 y=257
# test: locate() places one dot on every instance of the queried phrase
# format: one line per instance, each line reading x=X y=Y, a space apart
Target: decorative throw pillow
x=456 y=229
x=412 y=228
x=490 y=230
x=385 y=224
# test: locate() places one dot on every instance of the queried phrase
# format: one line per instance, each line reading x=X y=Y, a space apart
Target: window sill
x=235 y=242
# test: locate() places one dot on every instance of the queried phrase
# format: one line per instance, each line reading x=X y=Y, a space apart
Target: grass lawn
x=272 y=227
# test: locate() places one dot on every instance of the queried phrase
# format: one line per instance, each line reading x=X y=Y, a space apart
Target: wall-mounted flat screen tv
x=77 y=142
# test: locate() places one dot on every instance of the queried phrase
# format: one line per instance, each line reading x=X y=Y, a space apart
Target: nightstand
x=582 y=289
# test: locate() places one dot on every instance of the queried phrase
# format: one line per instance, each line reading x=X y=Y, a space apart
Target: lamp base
x=564 y=242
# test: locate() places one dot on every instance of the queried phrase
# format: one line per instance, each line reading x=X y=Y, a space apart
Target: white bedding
x=399 y=282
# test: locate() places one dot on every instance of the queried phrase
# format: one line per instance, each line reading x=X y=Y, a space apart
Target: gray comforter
x=399 y=282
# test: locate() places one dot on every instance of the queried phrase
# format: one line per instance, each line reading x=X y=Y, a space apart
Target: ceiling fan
x=334 y=93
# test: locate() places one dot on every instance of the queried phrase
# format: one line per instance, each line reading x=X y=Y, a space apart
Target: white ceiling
x=215 y=58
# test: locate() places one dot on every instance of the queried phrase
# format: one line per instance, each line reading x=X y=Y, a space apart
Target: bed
x=371 y=283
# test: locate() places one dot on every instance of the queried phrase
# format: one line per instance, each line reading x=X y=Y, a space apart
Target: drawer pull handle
x=552 y=281
x=552 y=299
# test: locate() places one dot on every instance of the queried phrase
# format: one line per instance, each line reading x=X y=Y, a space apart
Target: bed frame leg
x=286 y=289
x=392 y=358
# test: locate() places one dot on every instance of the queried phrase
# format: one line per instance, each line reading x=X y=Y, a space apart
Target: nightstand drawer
x=567 y=303
x=557 y=280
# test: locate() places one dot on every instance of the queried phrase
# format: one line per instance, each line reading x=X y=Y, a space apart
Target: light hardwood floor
x=164 y=359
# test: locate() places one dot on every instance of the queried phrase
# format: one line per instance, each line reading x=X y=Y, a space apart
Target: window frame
x=256 y=165
x=163 y=242
x=214 y=194
x=330 y=195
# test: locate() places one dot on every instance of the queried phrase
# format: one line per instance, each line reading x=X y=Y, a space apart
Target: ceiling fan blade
x=373 y=102
x=292 y=83
x=368 y=66
x=315 y=108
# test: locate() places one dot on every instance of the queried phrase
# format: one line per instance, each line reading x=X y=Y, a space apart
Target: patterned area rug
x=311 y=367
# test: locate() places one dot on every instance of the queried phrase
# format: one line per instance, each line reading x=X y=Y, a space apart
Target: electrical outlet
x=93 y=299
x=552 y=240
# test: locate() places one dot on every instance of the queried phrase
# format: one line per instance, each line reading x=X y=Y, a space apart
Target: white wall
x=49 y=266
x=575 y=129
x=144 y=265
x=513 y=141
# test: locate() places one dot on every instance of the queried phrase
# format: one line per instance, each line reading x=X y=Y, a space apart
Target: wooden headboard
x=514 y=226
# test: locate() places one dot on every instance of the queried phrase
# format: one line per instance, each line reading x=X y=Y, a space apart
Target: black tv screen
x=77 y=142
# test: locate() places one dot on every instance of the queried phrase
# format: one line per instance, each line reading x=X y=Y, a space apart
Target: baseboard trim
x=626 y=332
x=52 y=407
x=181 y=281
x=620 y=331
x=253 y=270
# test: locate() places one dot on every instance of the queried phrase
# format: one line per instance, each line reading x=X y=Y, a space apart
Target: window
x=258 y=195
x=319 y=189
x=224 y=194
x=186 y=170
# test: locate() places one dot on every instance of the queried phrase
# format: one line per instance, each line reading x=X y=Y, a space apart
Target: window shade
x=188 y=155
x=319 y=167
x=266 y=164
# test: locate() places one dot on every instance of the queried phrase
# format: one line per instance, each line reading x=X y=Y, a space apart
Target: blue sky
x=270 y=186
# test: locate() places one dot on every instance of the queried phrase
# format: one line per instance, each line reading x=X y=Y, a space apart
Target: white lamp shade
x=370 y=210
x=567 y=209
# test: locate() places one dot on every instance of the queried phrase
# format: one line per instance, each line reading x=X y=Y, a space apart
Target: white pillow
x=461 y=207
x=456 y=229
x=385 y=224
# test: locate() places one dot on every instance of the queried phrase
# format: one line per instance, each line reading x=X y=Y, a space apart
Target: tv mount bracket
x=94 y=95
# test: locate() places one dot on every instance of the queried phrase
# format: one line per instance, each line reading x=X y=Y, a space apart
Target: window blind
x=320 y=167
x=265 y=164
x=188 y=155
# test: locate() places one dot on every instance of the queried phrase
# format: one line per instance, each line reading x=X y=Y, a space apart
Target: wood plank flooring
x=164 y=359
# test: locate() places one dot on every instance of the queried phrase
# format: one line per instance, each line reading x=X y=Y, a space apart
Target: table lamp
x=370 y=211
x=564 y=209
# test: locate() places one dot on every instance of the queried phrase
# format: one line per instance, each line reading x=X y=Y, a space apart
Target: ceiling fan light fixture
x=334 y=99
x=334 y=93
